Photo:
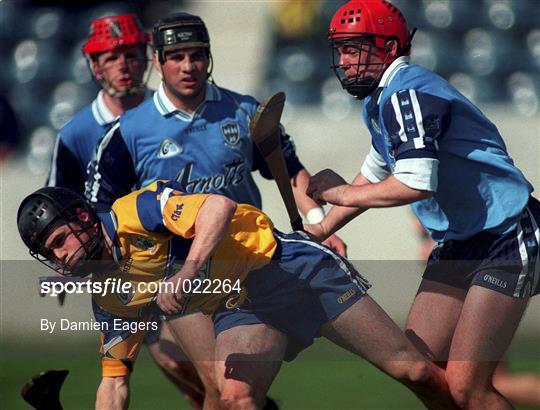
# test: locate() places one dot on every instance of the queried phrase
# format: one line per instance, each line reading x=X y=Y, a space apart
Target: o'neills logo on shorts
x=346 y=296
x=495 y=281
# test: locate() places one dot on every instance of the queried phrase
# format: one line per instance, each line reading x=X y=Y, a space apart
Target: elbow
x=415 y=195
x=425 y=194
x=223 y=204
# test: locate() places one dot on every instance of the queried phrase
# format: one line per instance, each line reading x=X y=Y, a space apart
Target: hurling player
x=433 y=149
x=271 y=293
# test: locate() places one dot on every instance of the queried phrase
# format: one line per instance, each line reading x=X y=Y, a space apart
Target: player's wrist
x=315 y=215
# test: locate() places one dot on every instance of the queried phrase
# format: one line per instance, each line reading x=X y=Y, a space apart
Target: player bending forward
x=292 y=288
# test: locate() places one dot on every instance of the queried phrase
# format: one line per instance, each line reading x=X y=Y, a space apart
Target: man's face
x=185 y=72
x=359 y=59
x=121 y=69
x=65 y=246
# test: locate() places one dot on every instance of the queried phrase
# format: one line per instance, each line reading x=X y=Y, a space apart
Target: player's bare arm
x=350 y=200
x=211 y=224
x=328 y=187
x=306 y=204
x=338 y=216
x=388 y=193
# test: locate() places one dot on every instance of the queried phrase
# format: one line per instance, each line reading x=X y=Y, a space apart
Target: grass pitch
x=324 y=377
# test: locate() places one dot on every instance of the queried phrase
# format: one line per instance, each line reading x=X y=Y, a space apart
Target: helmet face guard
x=87 y=251
x=368 y=26
x=116 y=33
x=370 y=64
x=180 y=30
x=46 y=210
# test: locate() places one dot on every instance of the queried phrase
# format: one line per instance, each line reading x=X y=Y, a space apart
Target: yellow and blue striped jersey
x=152 y=230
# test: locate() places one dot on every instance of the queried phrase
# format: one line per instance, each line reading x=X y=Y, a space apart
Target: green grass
x=323 y=377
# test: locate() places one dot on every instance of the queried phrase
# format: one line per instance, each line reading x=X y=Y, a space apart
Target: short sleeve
x=162 y=207
x=416 y=122
x=374 y=168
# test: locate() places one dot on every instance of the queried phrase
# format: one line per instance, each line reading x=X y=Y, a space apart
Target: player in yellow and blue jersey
x=116 y=50
x=197 y=133
x=271 y=293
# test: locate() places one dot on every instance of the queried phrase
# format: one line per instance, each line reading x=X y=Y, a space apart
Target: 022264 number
x=210 y=286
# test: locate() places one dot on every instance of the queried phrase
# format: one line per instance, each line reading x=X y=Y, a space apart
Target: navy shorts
x=152 y=336
x=304 y=286
x=507 y=264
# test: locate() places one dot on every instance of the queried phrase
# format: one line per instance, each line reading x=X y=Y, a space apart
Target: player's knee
x=236 y=396
x=461 y=393
x=464 y=390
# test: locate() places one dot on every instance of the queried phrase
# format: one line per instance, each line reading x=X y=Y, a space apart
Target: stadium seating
x=489 y=49
x=482 y=47
x=46 y=77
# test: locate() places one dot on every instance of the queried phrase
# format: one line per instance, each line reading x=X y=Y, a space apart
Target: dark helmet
x=45 y=210
x=179 y=30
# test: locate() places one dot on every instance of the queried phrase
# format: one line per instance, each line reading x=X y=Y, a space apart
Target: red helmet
x=367 y=25
x=112 y=32
x=377 y=18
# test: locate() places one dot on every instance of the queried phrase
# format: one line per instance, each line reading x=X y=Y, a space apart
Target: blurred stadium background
x=489 y=49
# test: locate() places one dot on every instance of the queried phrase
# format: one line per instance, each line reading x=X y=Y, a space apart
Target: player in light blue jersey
x=433 y=149
x=116 y=53
x=196 y=133
x=192 y=131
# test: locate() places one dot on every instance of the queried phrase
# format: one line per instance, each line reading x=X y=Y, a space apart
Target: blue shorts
x=507 y=264
x=305 y=286
x=152 y=336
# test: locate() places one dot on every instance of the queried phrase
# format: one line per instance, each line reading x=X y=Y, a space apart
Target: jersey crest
x=143 y=243
x=125 y=297
x=231 y=133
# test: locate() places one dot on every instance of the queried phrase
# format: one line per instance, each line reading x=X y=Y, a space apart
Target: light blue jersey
x=430 y=137
x=208 y=151
x=76 y=144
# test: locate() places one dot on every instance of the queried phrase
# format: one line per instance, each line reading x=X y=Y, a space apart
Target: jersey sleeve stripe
x=165 y=195
x=419 y=141
x=399 y=119
x=409 y=117
x=51 y=181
